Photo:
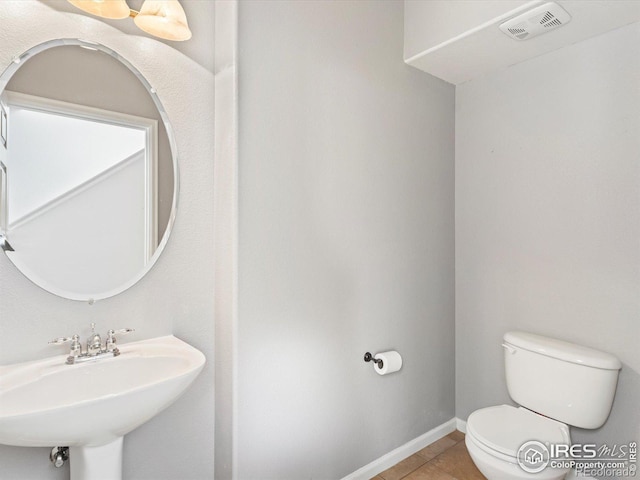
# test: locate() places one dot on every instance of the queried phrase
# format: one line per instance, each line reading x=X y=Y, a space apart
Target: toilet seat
x=501 y=430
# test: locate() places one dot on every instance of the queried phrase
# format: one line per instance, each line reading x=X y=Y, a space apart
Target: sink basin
x=48 y=403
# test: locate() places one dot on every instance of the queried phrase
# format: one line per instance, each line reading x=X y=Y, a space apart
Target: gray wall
x=177 y=294
x=548 y=216
x=346 y=239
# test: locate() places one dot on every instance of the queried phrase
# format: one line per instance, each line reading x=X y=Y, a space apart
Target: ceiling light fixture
x=160 y=18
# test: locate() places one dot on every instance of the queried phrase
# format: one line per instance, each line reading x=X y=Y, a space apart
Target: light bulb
x=163 y=18
x=114 y=9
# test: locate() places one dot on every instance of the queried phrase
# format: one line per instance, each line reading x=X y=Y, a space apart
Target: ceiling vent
x=535 y=22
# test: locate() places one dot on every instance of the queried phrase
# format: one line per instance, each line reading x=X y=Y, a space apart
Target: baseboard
x=461 y=425
x=390 y=459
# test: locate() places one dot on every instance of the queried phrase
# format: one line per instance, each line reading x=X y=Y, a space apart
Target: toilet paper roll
x=391 y=362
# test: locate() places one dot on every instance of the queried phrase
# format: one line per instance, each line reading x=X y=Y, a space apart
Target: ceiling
x=473 y=52
x=200 y=15
x=469 y=51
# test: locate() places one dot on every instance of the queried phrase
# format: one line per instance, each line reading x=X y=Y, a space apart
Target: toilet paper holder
x=369 y=358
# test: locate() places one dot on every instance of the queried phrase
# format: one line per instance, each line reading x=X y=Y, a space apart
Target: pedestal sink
x=91 y=406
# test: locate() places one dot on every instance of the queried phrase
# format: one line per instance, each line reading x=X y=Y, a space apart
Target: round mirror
x=89 y=176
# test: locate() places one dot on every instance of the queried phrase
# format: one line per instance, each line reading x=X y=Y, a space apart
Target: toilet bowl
x=495 y=435
x=556 y=384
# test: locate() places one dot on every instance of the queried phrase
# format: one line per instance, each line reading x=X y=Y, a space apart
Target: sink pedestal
x=97 y=463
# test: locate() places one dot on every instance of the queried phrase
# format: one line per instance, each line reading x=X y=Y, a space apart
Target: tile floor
x=445 y=459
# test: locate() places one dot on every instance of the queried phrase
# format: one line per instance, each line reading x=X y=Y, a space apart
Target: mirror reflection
x=88 y=172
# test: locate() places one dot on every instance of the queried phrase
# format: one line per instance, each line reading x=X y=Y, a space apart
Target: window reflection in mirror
x=89 y=172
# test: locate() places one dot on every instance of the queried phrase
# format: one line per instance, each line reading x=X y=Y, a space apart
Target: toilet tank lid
x=569 y=352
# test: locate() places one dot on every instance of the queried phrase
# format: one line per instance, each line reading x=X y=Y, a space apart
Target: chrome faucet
x=94 y=342
x=94 y=350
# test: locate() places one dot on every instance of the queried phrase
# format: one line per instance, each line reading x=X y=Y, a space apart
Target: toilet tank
x=567 y=382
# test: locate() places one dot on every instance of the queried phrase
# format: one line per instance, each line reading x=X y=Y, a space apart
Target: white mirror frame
x=5 y=77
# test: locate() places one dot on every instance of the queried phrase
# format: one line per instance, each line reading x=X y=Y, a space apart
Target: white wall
x=226 y=232
x=345 y=239
x=548 y=216
x=177 y=294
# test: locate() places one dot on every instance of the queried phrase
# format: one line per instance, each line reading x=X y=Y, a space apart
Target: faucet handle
x=76 y=348
x=110 y=344
x=122 y=331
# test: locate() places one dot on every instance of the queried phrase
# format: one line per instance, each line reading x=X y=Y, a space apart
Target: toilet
x=556 y=384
